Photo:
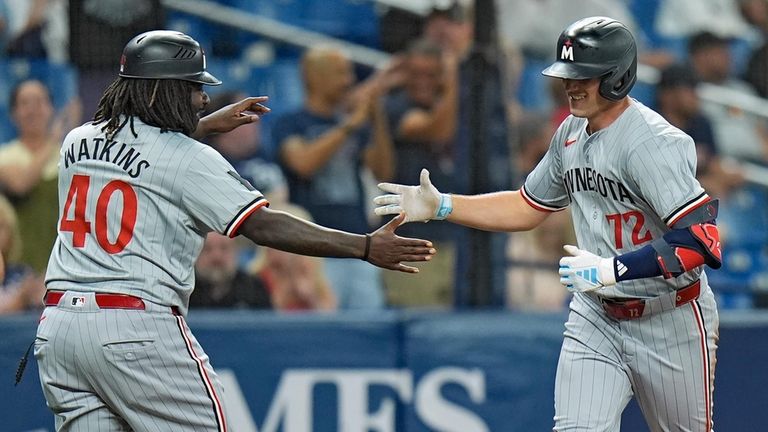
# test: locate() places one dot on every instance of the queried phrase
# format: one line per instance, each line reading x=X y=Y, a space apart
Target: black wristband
x=367 y=247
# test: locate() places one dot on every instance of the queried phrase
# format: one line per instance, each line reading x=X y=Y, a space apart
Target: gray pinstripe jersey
x=134 y=211
x=626 y=185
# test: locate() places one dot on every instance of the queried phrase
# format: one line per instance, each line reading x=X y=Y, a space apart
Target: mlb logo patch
x=78 y=301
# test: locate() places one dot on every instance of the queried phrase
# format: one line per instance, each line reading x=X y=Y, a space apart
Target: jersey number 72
x=79 y=225
x=637 y=236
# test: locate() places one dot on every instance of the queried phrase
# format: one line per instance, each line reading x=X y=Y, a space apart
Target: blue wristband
x=446 y=206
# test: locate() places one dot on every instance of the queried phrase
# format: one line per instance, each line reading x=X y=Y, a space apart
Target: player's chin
x=578 y=111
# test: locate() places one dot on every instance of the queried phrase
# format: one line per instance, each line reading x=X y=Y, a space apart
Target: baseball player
x=643 y=320
x=137 y=195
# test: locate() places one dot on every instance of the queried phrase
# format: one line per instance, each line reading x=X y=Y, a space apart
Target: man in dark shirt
x=451 y=27
x=423 y=117
x=678 y=102
x=218 y=281
x=322 y=149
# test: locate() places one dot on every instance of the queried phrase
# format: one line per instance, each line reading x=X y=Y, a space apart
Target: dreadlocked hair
x=163 y=103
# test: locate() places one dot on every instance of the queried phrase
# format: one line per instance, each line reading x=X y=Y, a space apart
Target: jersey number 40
x=79 y=225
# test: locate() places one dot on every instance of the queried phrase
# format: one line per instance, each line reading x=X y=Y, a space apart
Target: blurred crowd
x=321 y=159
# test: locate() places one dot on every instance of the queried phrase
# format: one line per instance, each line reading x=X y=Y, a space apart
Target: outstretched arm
x=383 y=248
x=231 y=116
x=497 y=211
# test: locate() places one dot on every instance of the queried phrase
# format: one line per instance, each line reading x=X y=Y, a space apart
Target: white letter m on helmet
x=567 y=53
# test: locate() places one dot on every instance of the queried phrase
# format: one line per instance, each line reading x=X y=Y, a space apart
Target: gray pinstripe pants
x=124 y=370
x=666 y=360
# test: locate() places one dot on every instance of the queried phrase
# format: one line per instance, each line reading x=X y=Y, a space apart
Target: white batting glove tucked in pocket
x=420 y=203
x=584 y=271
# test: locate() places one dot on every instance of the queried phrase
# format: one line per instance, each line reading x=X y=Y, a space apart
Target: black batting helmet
x=597 y=47
x=164 y=54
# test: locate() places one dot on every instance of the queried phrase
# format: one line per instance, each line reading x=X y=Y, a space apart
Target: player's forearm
x=280 y=230
x=497 y=211
x=688 y=249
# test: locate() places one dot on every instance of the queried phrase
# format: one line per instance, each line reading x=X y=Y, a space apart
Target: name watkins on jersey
x=587 y=179
x=108 y=151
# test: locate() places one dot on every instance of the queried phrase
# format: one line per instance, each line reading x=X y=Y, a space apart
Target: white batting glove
x=419 y=203
x=584 y=271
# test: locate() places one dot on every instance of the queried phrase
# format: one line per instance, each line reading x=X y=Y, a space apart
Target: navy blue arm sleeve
x=692 y=248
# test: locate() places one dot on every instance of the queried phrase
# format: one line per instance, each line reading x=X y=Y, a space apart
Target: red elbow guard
x=708 y=236
x=689 y=259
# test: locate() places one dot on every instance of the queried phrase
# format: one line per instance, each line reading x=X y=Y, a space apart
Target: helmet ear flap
x=614 y=86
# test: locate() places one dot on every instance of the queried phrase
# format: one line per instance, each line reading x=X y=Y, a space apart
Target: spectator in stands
x=757 y=71
x=450 y=26
x=28 y=167
x=218 y=281
x=37 y=29
x=423 y=114
x=20 y=287
x=241 y=148
x=531 y=283
x=323 y=148
x=452 y=29
x=737 y=134
x=295 y=282
x=686 y=18
x=560 y=109
x=533 y=136
x=755 y=13
x=678 y=102
x=97 y=30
